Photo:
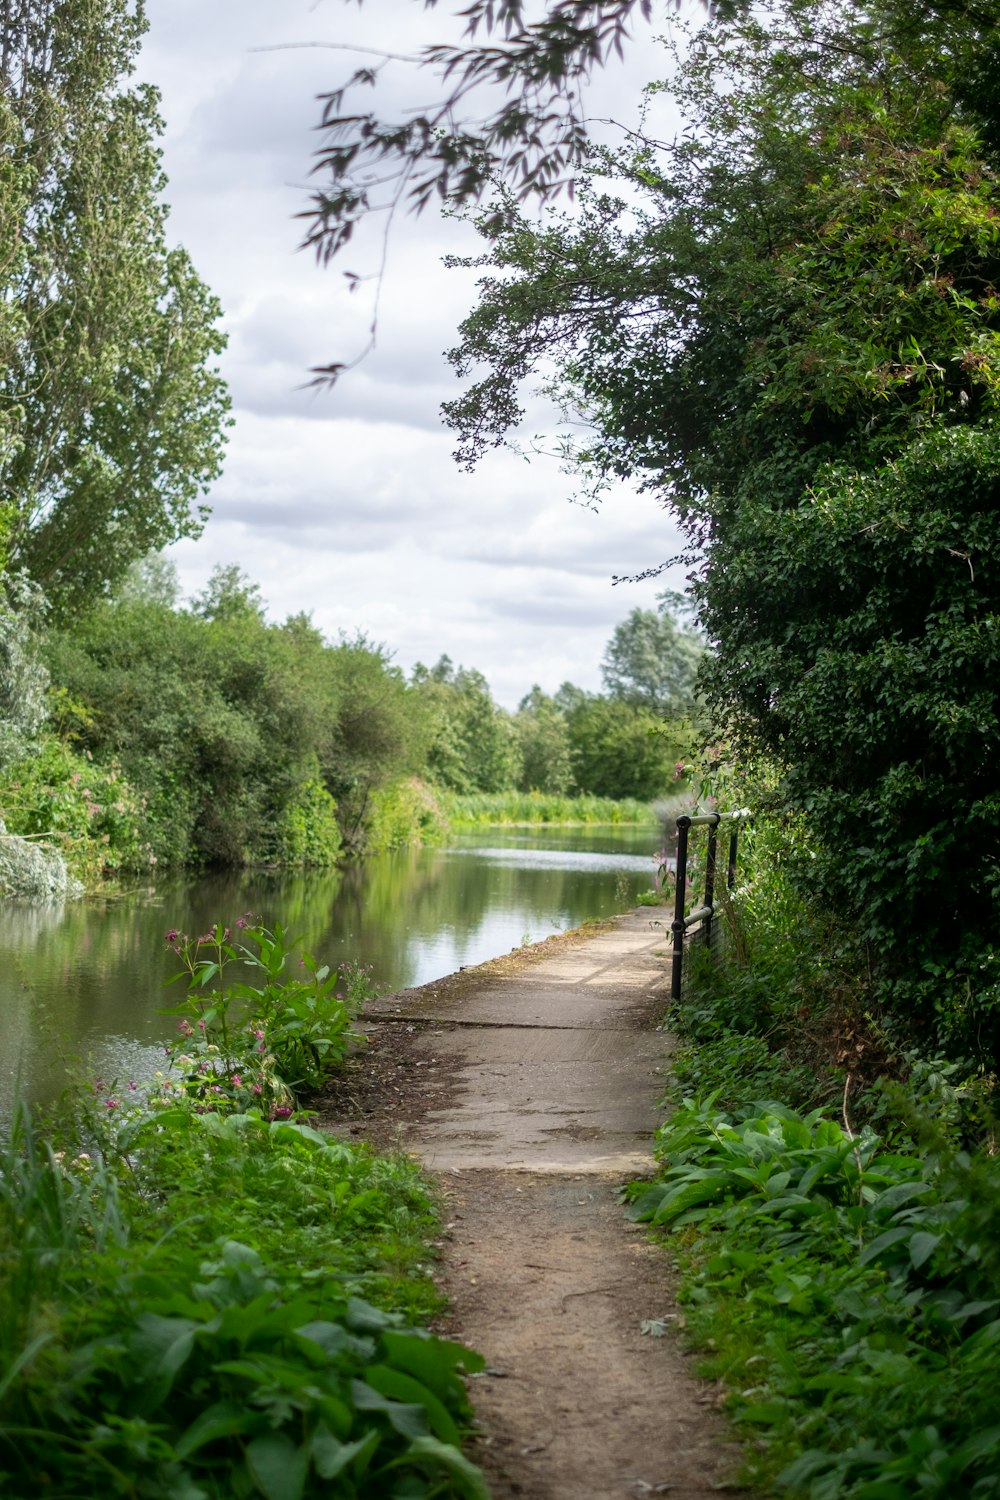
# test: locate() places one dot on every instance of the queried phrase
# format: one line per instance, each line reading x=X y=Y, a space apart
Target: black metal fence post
x=678 y=927
x=705 y=913
x=713 y=843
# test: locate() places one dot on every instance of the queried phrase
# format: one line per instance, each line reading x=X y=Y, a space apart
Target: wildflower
x=185 y=1028
x=257 y=1089
x=111 y=1104
x=237 y=1081
x=245 y=921
x=282 y=1112
x=132 y=1086
x=261 y=1046
x=172 y=936
x=201 y=1025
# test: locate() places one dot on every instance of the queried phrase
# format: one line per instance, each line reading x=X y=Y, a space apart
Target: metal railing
x=703 y=915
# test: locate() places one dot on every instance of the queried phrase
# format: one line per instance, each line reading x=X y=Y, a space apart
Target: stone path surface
x=554 y=1069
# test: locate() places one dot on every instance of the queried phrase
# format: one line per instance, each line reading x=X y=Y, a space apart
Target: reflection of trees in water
x=73 y=975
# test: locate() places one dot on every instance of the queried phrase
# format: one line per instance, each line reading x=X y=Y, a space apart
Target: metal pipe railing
x=706 y=912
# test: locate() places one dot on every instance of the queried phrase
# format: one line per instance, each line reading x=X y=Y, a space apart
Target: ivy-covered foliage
x=787 y=324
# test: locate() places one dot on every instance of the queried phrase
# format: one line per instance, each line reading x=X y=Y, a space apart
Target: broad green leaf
x=922 y=1247
x=884 y=1242
x=468 y=1479
x=220 y=1420
x=432 y=1360
x=277 y=1466
x=407 y=1418
x=331 y=1457
x=405 y=1388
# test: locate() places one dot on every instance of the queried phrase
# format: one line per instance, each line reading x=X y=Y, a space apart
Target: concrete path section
x=535 y=1086
x=559 y=1063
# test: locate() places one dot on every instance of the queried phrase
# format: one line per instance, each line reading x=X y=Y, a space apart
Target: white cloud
x=347 y=504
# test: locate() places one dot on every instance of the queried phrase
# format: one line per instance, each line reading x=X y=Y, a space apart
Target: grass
x=497 y=809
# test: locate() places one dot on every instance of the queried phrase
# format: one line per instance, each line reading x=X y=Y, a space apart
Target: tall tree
x=651 y=663
x=112 y=412
x=787 y=324
x=474 y=744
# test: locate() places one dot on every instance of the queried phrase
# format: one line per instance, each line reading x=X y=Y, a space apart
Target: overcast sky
x=348 y=504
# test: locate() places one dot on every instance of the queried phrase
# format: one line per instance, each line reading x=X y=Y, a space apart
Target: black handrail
x=706 y=912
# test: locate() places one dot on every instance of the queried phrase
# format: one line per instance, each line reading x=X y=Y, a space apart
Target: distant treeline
x=153 y=734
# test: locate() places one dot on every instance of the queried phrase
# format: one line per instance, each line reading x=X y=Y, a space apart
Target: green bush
x=846 y=1291
x=191 y=1364
x=404 y=813
x=307 y=831
x=262 y=1043
x=89 y=811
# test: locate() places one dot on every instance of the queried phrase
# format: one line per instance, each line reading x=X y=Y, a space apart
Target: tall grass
x=496 y=809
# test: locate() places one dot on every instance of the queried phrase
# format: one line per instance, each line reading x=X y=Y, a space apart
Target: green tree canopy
x=787 y=325
x=543 y=735
x=651 y=663
x=111 y=409
x=474 y=744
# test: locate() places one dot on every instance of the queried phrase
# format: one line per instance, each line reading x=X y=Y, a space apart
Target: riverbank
x=202 y=1295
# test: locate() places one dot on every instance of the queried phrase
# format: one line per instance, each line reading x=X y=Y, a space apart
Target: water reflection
x=81 y=983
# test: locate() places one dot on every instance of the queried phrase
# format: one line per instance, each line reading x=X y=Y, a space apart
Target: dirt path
x=529 y=1087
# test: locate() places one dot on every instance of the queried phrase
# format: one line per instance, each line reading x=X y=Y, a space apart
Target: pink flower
x=281 y=1113
x=237 y=1080
x=111 y=1104
x=257 y=1089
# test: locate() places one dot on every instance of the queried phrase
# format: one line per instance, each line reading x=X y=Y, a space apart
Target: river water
x=82 y=983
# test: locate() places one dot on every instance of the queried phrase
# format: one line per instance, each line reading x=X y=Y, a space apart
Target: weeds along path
x=529 y=1087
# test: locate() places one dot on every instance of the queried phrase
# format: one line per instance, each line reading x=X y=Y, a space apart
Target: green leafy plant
x=224 y=1384
x=263 y=1043
x=254 y=1347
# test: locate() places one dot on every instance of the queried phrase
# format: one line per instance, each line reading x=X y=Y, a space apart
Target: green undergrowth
x=833 y=1207
x=202 y=1297
x=486 y=809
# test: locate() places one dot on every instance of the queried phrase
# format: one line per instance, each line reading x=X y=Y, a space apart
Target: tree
x=535 y=140
x=473 y=746
x=787 y=324
x=111 y=410
x=543 y=736
x=229 y=594
x=619 y=750
x=24 y=679
x=649 y=662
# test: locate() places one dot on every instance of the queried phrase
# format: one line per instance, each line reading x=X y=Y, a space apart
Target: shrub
x=264 y=1043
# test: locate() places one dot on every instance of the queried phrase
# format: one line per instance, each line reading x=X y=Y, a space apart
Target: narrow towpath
x=532 y=1085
